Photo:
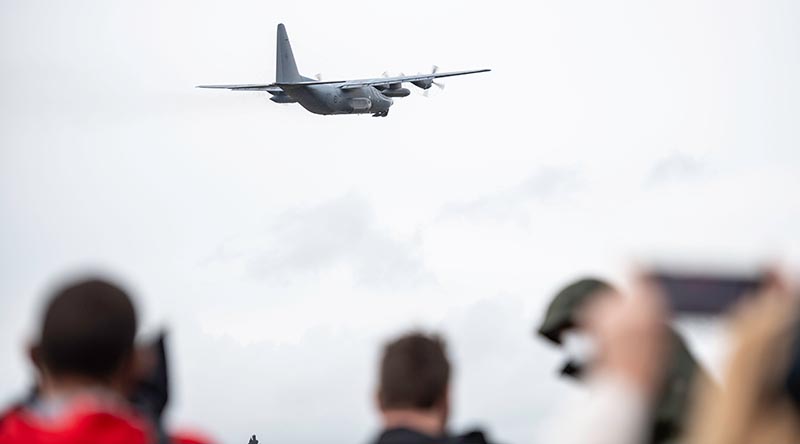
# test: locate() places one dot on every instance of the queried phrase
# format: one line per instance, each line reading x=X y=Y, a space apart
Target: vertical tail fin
x=285 y=67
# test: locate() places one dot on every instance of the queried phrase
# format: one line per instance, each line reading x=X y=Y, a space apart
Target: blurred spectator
x=758 y=399
x=414 y=393
x=634 y=363
x=85 y=359
x=88 y=372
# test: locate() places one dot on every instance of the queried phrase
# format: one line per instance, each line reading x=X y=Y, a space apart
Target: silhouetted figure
x=253 y=440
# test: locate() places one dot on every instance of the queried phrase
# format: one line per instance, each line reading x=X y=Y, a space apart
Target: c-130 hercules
x=336 y=96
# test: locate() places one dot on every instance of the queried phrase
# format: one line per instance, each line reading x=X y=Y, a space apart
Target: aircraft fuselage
x=330 y=99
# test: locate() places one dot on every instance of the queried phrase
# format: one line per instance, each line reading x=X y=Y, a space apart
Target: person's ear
x=35 y=356
x=126 y=376
x=143 y=362
x=379 y=400
x=444 y=404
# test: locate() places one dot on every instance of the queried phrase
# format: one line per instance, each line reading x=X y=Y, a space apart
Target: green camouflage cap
x=560 y=314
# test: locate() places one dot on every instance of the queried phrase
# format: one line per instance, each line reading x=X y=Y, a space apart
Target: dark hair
x=414 y=372
x=88 y=330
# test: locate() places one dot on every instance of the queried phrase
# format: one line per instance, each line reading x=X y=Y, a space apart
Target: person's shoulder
x=191 y=437
x=77 y=426
x=7 y=417
x=408 y=436
x=402 y=435
x=471 y=437
x=106 y=426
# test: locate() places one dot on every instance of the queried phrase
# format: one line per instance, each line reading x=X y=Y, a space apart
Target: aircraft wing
x=246 y=87
x=350 y=84
x=345 y=84
x=272 y=87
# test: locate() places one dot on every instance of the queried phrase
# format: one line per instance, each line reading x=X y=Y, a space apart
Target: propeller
x=439 y=85
x=318 y=76
x=434 y=82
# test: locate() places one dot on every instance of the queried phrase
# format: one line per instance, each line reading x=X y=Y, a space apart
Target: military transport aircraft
x=336 y=96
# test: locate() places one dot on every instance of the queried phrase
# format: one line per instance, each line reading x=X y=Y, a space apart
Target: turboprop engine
x=424 y=84
x=427 y=83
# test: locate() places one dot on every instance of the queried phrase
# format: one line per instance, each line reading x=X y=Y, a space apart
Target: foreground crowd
x=95 y=385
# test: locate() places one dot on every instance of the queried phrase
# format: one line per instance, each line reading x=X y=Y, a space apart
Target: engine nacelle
x=396 y=92
x=424 y=84
x=282 y=98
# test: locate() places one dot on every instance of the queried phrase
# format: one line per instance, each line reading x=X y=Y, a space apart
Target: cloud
x=672 y=168
x=544 y=186
x=307 y=241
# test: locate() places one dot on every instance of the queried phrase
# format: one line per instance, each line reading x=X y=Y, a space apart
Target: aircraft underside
x=330 y=100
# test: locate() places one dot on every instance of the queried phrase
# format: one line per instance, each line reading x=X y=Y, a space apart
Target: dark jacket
x=672 y=404
x=408 y=436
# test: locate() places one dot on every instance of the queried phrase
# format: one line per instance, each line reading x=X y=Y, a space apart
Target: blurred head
x=563 y=313
x=87 y=334
x=415 y=378
x=564 y=326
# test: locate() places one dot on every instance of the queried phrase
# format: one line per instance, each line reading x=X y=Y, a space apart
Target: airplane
x=328 y=97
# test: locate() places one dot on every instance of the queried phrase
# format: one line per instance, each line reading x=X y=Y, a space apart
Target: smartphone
x=699 y=292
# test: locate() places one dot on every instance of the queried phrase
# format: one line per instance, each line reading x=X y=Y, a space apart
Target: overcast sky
x=283 y=248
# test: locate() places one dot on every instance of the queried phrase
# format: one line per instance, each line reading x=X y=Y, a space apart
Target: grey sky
x=548 y=185
x=282 y=248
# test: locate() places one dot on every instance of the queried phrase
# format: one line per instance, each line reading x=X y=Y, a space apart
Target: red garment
x=88 y=420
x=81 y=424
x=189 y=438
